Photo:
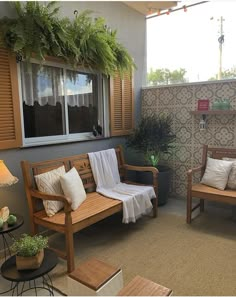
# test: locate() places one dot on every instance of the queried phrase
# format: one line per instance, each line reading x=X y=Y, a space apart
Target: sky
x=190 y=39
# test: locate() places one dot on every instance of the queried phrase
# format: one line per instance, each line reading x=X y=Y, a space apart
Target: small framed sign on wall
x=203 y=104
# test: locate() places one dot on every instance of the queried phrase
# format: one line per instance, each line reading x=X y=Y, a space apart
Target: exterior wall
x=131 y=27
x=178 y=101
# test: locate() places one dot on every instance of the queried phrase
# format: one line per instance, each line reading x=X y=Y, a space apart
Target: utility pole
x=221 y=41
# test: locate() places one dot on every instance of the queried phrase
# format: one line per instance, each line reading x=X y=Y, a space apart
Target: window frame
x=103 y=108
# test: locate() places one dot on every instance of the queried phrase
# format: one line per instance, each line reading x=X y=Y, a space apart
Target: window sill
x=59 y=142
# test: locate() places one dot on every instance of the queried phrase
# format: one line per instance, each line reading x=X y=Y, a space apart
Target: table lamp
x=6 y=179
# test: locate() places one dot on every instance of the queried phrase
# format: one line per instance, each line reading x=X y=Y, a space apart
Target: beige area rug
x=196 y=259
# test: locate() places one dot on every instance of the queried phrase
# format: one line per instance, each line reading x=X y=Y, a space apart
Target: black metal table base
x=6 y=247
x=20 y=288
x=32 y=280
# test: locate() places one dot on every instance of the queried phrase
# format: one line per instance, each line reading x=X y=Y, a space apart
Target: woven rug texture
x=197 y=259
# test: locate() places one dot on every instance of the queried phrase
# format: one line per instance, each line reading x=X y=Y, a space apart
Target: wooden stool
x=140 y=286
x=95 y=278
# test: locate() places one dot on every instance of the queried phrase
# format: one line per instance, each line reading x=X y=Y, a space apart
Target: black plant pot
x=164 y=179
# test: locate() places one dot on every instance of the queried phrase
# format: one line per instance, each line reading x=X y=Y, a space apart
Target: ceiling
x=147 y=7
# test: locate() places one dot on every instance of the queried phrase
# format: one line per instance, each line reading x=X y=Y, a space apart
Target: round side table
x=6 y=230
x=9 y=272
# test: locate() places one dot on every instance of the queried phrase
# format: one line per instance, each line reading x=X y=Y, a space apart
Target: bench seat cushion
x=203 y=191
x=94 y=208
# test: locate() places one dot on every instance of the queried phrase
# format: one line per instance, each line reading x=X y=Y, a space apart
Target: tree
x=165 y=76
x=226 y=74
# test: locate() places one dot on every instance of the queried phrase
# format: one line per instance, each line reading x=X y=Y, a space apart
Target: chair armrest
x=44 y=196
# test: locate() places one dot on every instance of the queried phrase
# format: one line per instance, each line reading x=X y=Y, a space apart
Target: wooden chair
x=202 y=191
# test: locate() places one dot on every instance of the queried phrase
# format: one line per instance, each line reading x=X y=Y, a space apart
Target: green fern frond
x=39 y=31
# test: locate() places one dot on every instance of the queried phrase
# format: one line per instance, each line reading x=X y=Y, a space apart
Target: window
x=61 y=104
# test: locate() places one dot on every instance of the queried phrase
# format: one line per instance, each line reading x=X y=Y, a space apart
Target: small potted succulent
x=29 y=251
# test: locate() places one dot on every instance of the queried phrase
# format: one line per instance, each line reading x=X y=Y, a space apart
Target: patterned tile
x=204 y=91
x=147 y=111
x=178 y=101
x=184 y=134
x=182 y=115
x=224 y=136
x=225 y=90
x=166 y=97
x=181 y=190
x=184 y=96
x=224 y=120
x=183 y=154
x=150 y=98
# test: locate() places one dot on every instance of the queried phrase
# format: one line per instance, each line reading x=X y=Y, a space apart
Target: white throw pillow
x=73 y=187
x=216 y=173
x=49 y=182
x=231 y=184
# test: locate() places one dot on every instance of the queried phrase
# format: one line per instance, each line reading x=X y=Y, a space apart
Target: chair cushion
x=73 y=187
x=231 y=184
x=216 y=173
x=49 y=182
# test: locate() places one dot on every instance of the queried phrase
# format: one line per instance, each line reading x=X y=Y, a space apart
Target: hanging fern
x=39 y=31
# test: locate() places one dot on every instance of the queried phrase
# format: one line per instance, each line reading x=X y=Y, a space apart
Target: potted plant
x=29 y=251
x=153 y=137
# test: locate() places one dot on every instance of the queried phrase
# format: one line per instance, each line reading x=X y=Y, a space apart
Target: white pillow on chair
x=49 y=182
x=73 y=187
x=231 y=184
x=216 y=173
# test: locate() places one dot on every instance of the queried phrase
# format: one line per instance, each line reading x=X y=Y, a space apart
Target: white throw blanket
x=136 y=199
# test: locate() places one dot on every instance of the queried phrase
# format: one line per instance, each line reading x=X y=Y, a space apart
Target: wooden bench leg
x=155 y=208
x=201 y=205
x=69 y=243
x=70 y=252
x=189 y=207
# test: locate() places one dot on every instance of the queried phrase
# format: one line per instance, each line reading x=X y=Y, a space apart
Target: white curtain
x=81 y=100
x=45 y=85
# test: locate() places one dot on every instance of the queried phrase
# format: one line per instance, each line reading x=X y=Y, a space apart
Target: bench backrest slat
x=80 y=162
x=217 y=153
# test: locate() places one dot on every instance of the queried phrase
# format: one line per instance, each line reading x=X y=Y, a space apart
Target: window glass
x=61 y=104
x=82 y=101
x=43 y=101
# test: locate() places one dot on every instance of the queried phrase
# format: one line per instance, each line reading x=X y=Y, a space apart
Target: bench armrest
x=145 y=169
x=192 y=171
x=141 y=168
x=44 y=196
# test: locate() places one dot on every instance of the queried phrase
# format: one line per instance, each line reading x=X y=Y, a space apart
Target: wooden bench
x=202 y=191
x=95 y=207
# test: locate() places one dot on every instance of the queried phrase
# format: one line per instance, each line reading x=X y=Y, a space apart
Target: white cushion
x=49 y=182
x=73 y=187
x=231 y=184
x=216 y=173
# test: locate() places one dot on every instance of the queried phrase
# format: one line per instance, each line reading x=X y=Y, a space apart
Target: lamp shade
x=6 y=178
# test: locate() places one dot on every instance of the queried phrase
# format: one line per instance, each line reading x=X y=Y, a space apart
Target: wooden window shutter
x=121 y=104
x=10 y=124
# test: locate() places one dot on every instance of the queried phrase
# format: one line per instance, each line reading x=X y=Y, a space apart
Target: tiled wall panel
x=178 y=101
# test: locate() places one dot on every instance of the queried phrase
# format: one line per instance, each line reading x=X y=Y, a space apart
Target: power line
x=176 y=9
